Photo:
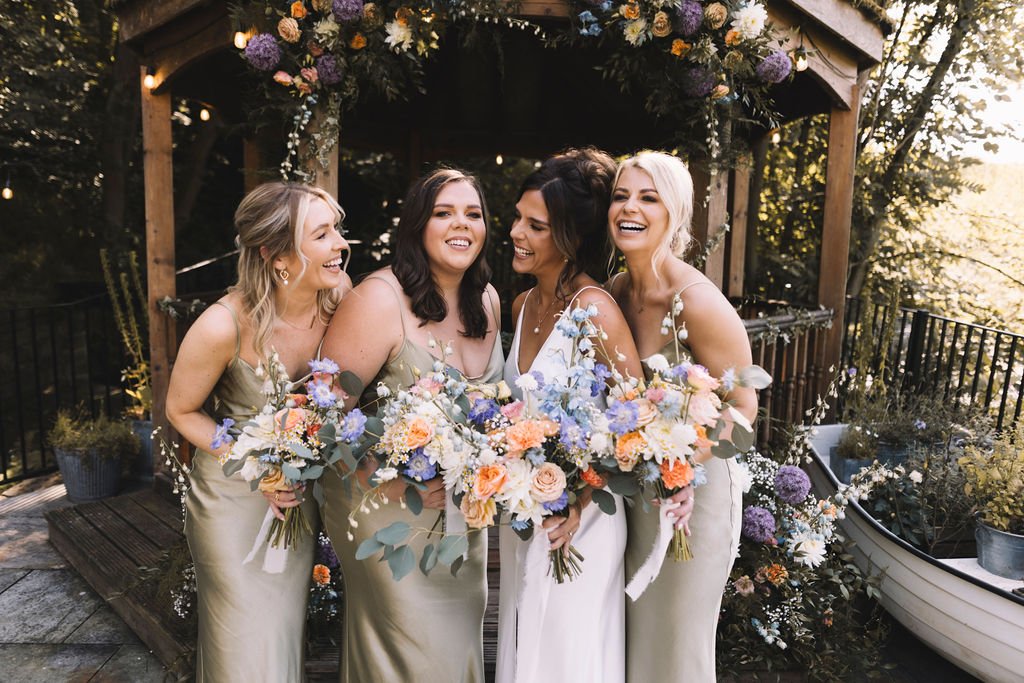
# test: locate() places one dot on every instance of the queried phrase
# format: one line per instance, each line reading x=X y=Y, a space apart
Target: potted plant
x=995 y=484
x=91 y=454
x=128 y=300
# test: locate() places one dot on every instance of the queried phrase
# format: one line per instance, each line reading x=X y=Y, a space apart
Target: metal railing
x=63 y=356
x=922 y=352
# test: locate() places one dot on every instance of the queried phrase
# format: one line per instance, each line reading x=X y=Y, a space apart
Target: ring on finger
x=277 y=496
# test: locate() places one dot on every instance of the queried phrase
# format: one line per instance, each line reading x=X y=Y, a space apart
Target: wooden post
x=327 y=178
x=158 y=173
x=252 y=162
x=708 y=218
x=738 y=233
x=835 y=238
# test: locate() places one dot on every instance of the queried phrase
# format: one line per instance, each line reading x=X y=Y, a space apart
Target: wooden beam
x=138 y=18
x=170 y=60
x=738 y=233
x=545 y=9
x=709 y=216
x=848 y=24
x=158 y=173
x=835 y=238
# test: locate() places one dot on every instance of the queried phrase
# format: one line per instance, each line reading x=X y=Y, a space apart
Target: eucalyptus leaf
x=525 y=533
x=401 y=561
x=394 y=533
x=429 y=559
x=452 y=547
x=291 y=472
x=457 y=565
x=754 y=376
x=724 y=450
x=623 y=484
x=605 y=501
x=367 y=548
x=742 y=439
x=232 y=466
x=313 y=472
x=350 y=383
x=327 y=433
x=300 y=450
x=413 y=500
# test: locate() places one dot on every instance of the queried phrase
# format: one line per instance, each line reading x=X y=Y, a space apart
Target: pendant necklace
x=536 y=329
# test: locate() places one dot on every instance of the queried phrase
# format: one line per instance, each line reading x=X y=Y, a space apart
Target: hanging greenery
x=712 y=63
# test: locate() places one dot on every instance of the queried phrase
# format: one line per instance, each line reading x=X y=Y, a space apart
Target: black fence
x=925 y=353
x=64 y=356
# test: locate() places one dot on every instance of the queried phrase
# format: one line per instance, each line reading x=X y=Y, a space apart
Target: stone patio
x=53 y=626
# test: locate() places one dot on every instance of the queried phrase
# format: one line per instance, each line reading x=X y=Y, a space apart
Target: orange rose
x=630 y=10
x=321 y=574
x=299 y=399
x=720 y=91
x=288 y=418
x=478 y=513
x=592 y=478
x=358 y=42
x=298 y=10
x=732 y=38
x=677 y=475
x=775 y=574
x=288 y=29
x=548 y=483
x=402 y=16
x=418 y=433
x=274 y=481
x=524 y=435
x=628 y=450
x=702 y=437
x=680 y=48
x=489 y=480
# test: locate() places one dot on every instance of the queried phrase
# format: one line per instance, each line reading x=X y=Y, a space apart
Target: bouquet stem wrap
x=275 y=558
x=648 y=572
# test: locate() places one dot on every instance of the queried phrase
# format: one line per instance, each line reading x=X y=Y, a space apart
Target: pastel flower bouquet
x=424 y=434
x=543 y=444
x=290 y=442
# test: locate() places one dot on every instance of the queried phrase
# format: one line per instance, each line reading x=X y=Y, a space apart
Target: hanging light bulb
x=801 y=59
x=7 y=192
x=204 y=114
x=149 y=80
x=499 y=160
x=241 y=40
x=776 y=136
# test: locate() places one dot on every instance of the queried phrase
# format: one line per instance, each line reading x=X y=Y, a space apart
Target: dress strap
x=694 y=284
x=238 y=331
x=398 y=298
x=610 y=285
x=568 y=305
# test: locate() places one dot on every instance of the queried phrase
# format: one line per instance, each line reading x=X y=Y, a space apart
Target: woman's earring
x=284 y=277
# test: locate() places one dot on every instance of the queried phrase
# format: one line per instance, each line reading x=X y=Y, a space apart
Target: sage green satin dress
x=427 y=629
x=670 y=629
x=251 y=623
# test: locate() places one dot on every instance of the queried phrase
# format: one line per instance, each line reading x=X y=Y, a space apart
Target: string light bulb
x=801 y=59
x=204 y=114
x=7 y=192
x=499 y=160
x=776 y=136
x=241 y=40
x=149 y=80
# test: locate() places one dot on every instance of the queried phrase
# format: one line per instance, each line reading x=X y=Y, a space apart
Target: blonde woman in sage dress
x=670 y=628
x=290 y=279
x=392 y=329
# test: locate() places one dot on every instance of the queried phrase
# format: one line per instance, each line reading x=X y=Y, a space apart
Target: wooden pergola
x=186 y=44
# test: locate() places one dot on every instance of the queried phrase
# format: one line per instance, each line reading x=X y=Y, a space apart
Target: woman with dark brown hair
x=433 y=304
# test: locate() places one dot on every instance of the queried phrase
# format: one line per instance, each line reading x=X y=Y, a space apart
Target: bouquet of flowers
x=425 y=435
x=545 y=442
x=657 y=427
x=291 y=441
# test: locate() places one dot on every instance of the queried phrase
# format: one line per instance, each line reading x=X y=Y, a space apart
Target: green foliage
x=81 y=436
x=995 y=481
x=131 y=314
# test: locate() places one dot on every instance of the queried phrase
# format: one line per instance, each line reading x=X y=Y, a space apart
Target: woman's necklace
x=536 y=329
x=292 y=325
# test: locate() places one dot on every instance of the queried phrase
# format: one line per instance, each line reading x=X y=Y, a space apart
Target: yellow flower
x=274 y=481
x=732 y=38
x=661 y=27
x=358 y=42
x=680 y=48
x=323 y=5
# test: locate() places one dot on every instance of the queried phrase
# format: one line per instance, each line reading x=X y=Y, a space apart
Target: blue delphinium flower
x=221 y=437
x=520 y=524
x=567 y=328
x=589 y=25
x=601 y=376
x=353 y=425
x=920 y=424
x=419 y=466
x=535 y=456
x=571 y=435
x=557 y=504
x=325 y=365
x=680 y=371
x=483 y=409
x=622 y=417
x=700 y=475
x=321 y=395
x=653 y=473
x=792 y=484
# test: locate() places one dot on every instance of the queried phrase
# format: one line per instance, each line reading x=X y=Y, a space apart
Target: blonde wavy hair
x=270 y=221
x=674 y=184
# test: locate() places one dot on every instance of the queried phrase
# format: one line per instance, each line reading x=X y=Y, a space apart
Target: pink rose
x=309 y=74
x=283 y=77
x=548 y=483
x=698 y=377
x=512 y=410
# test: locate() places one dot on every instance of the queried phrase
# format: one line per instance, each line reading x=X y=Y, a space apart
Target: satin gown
x=427 y=629
x=251 y=623
x=580 y=634
x=670 y=629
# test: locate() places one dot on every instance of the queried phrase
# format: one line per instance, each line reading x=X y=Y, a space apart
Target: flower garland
x=693 y=61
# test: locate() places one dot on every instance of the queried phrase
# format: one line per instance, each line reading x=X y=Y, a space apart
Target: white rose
x=386 y=473
x=916 y=477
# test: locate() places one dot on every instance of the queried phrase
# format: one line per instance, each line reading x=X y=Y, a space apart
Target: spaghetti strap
x=401 y=313
x=694 y=284
x=612 y=280
x=238 y=331
x=583 y=289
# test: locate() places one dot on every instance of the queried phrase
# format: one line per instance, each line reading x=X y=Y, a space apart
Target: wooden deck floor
x=110 y=541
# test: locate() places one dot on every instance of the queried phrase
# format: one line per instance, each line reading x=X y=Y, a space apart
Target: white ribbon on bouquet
x=651 y=567
x=275 y=559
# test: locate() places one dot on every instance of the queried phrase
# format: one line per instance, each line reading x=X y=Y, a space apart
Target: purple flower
x=792 y=484
x=758 y=524
x=698 y=81
x=325 y=554
x=570 y=434
x=775 y=67
x=852 y=372
x=689 y=17
x=327 y=71
x=221 y=436
x=324 y=365
x=601 y=375
x=483 y=409
x=353 y=426
x=622 y=417
x=557 y=504
x=347 y=10
x=321 y=395
x=920 y=424
x=263 y=52
x=419 y=466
